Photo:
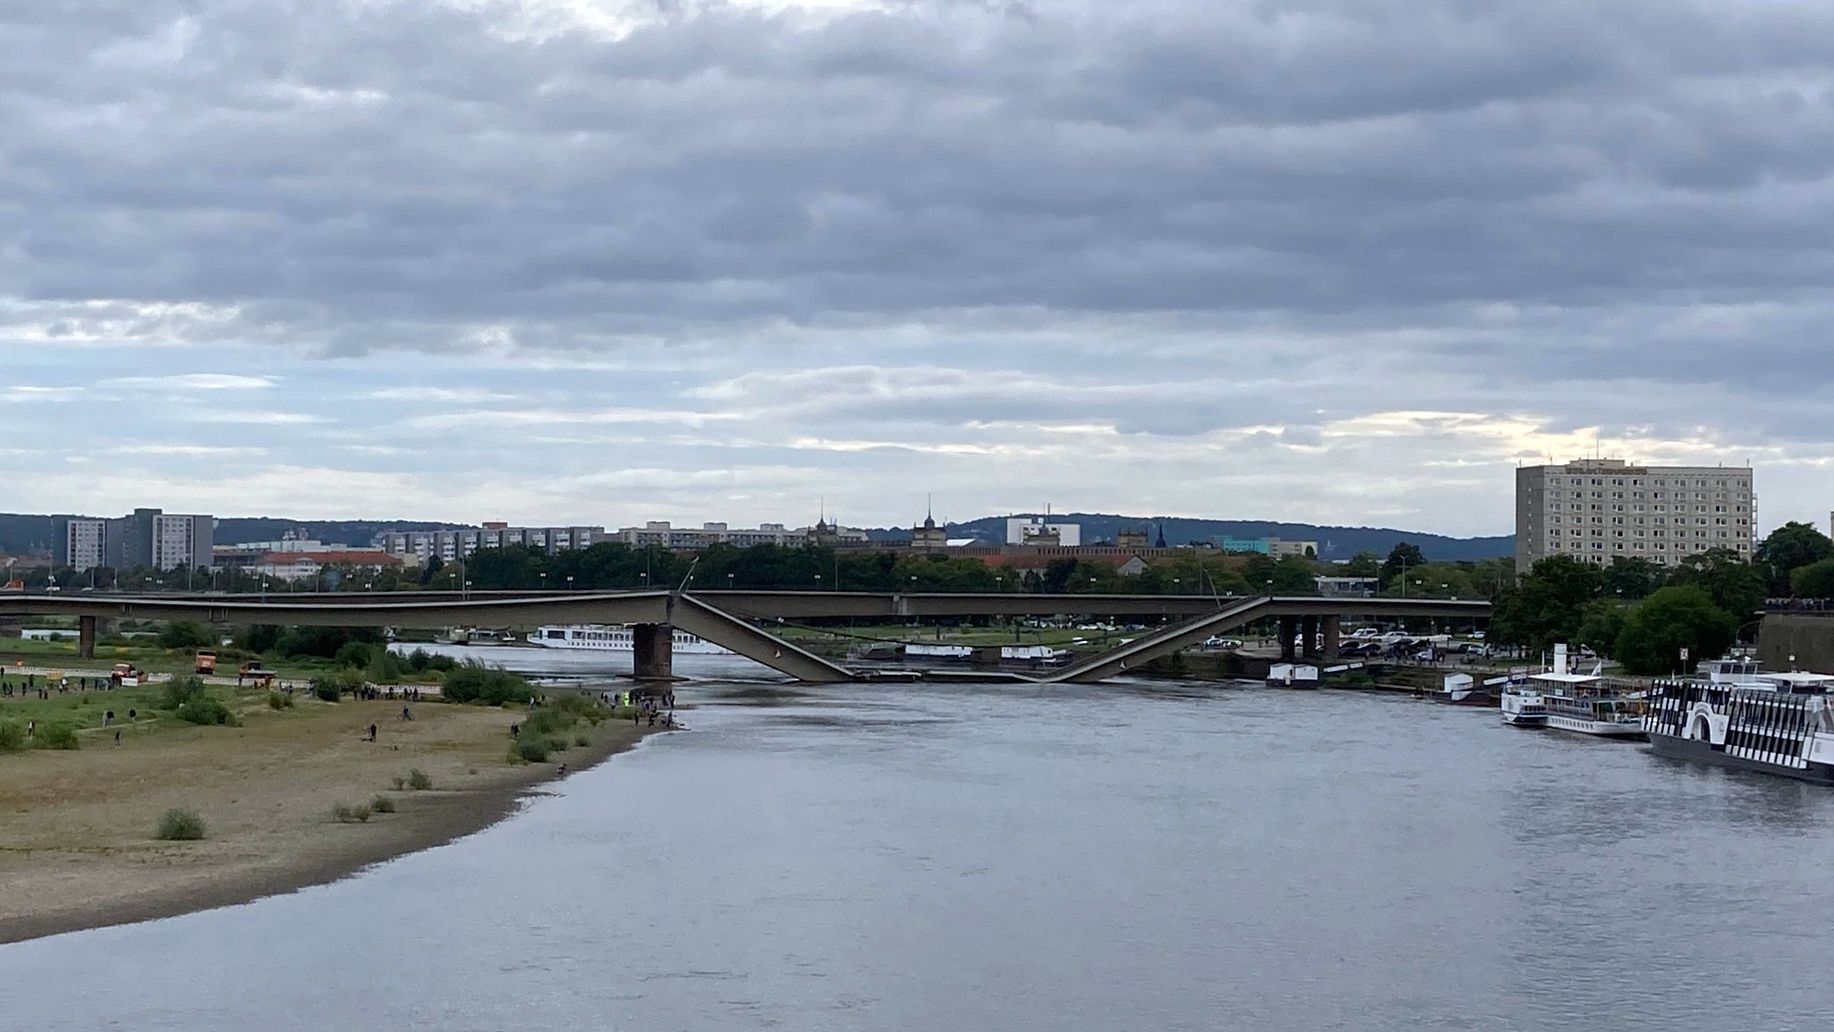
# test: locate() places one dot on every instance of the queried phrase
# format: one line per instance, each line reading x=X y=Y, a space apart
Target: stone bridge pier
x=652 y=652
x=86 y=637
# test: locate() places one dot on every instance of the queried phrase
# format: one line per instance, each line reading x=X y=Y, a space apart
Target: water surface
x=1088 y=858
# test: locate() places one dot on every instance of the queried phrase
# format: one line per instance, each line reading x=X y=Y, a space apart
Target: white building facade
x=1601 y=510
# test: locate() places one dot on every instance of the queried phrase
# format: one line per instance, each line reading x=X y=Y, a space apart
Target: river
x=1164 y=856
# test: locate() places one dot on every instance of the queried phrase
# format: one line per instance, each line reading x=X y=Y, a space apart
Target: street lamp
x=544 y=582
x=467 y=593
x=729 y=582
x=569 y=582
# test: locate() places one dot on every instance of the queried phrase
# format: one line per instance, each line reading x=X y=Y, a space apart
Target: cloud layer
x=1331 y=260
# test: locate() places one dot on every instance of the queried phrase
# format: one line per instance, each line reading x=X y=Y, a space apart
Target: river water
x=1164 y=856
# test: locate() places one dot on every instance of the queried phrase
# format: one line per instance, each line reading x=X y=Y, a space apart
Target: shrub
x=400 y=782
x=344 y=813
x=56 y=736
x=531 y=750
x=475 y=682
x=418 y=780
x=178 y=691
x=581 y=740
x=279 y=700
x=332 y=686
x=179 y=825
x=183 y=634
x=420 y=661
x=12 y=736
x=385 y=667
x=323 y=641
x=203 y=709
x=355 y=654
x=382 y=804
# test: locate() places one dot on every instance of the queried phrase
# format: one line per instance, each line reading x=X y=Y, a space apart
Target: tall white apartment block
x=85 y=542
x=1601 y=510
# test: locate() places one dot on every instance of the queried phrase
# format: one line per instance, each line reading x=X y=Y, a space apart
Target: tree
x=1816 y=580
x=1363 y=564
x=1403 y=556
x=1735 y=585
x=1789 y=548
x=1601 y=624
x=1433 y=580
x=1631 y=578
x=183 y=634
x=1675 y=618
x=1546 y=607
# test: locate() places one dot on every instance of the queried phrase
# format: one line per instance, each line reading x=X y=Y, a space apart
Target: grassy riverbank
x=77 y=845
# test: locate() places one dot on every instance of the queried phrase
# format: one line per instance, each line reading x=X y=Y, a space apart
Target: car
x=1217 y=641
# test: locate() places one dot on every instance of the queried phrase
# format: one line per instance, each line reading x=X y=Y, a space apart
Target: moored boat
x=1523 y=707
x=1737 y=717
x=616 y=638
x=1463 y=690
x=1292 y=675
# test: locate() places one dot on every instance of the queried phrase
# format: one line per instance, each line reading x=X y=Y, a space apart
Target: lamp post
x=544 y=582
x=729 y=582
x=467 y=592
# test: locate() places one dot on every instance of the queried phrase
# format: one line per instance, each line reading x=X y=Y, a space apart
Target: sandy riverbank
x=76 y=845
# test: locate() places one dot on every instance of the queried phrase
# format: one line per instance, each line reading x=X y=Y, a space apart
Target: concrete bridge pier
x=86 y=637
x=1289 y=629
x=1333 y=634
x=652 y=652
x=1308 y=637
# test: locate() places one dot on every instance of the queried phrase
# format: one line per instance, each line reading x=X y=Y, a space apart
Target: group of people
x=28 y=684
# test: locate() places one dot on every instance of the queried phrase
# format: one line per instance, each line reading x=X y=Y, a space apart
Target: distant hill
x=21 y=532
x=1333 y=542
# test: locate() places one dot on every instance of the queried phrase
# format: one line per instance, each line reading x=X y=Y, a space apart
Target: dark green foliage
x=334 y=685
x=382 y=804
x=420 y=661
x=203 y=708
x=56 y=736
x=1816 y=580
x=581 y=740
x=1789 y=548
x=531 y=750
x=1631 y=579
x=1547 y=605
x=183 y=634
x=1601 y=623
x=12 y=736
x=1404 y=556
x=258 y=637
x=384 y=666
x=179 y=825
x=1734 y=585
x=1672 y=619
x=475 y=682
x=418 y=780
x=324 y=641
x=279 y=700
x=178 y=691
x=354 y=654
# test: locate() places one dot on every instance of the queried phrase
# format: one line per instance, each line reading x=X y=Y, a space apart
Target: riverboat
x=1589 y=705
x=615 y=638
x=1523 y=707
x=1736 y=716
x=476 y=636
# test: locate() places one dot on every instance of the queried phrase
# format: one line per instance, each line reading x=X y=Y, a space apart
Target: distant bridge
x=731 y=618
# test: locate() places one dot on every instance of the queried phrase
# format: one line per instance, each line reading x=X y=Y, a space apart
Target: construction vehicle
x=127 y=675
x=256 y=676
x=206 y=661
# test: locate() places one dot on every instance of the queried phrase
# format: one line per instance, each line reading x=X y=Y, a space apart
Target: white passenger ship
x=615 y=638
x=1737 y=716
x=1587 y=703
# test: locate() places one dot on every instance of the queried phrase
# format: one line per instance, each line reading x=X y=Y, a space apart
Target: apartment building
x=1600 y=510
x=447 y=545
x=145 y=538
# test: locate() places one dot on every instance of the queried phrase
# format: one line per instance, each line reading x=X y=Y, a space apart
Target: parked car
x=1218 y=642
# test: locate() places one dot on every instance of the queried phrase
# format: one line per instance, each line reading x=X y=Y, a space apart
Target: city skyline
x=722 y=261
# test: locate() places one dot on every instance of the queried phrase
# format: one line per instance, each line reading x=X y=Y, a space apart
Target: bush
x=323 y=641
x=354 y=654
x=332 y=686
x=279 y=700
x=203 y=709
x=344 y=813
x=385 y=667
x=531 y=750
x=382 y=804
x=183 y=634
x=178 y=691
x=401 y=783
x=581 y=740
x=56 y=736
x=179 y=825
x=12 y=736
x=418 y=780
x=475 y=682
x=420 y=661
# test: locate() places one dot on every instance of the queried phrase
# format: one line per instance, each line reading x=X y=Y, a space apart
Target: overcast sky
x=1337 y=261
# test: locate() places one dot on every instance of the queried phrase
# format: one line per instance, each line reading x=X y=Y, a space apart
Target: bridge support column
x=1308 y=637
x=86 y=637
x=1289 y=629
x=1334 y=633
x=652 y=652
